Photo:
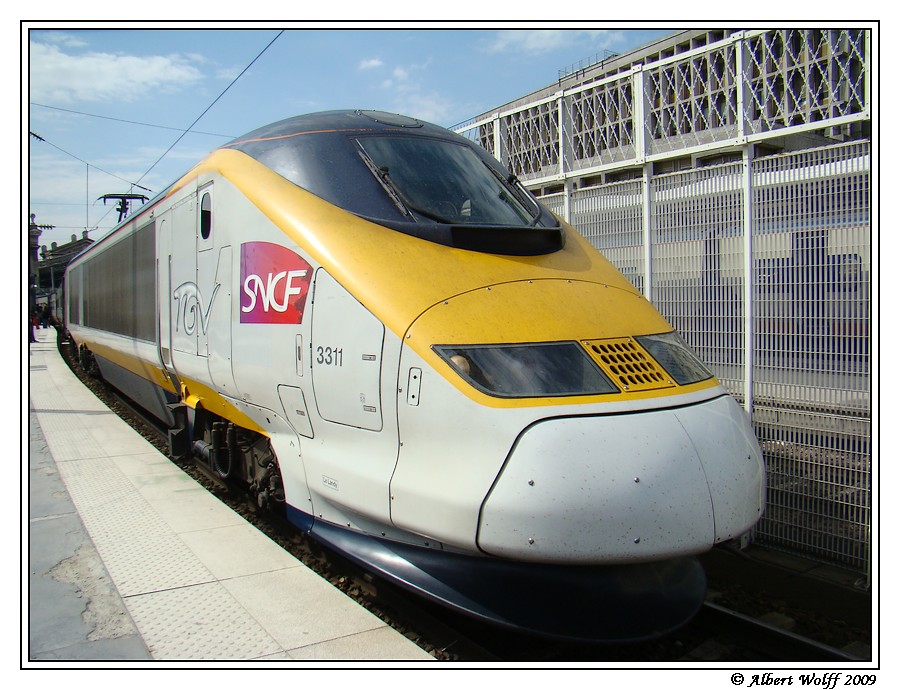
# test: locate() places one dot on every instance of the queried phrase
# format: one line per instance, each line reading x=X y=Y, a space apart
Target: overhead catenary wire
x=87 y=167
x=209 y=107
x=129 y=122
x=80 y=160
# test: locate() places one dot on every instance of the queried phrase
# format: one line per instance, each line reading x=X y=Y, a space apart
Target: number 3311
x=330 y=356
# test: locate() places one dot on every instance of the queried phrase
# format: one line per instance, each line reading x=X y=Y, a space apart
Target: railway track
x=716 y=634
x=760 y=640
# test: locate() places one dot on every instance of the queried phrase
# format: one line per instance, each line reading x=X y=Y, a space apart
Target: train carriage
x=373 y=326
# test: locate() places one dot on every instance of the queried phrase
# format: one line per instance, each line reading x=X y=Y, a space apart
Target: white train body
x=341 y=351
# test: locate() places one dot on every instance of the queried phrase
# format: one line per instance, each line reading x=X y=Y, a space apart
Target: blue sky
x=109 y=103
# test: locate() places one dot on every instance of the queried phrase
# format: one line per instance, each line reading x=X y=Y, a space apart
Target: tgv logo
x=274 y=284
x=189 y=312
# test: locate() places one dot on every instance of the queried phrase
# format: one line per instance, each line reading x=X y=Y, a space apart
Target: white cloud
x=411 y=94
x=228 y=73
x=56 y=77
x=371 y=63
x=431 y=107
x=62 y=38
x=546 y=40
x=401 y=77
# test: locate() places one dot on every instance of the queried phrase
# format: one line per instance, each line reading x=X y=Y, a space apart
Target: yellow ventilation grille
x=628 y=364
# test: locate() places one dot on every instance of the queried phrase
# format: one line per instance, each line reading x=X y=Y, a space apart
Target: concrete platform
x=130 y=560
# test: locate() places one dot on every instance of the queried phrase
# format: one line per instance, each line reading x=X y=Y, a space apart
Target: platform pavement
x=130 y=560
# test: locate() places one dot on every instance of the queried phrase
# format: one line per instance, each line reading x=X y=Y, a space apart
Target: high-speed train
x=371 y=324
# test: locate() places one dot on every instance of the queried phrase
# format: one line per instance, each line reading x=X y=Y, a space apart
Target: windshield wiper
x=512 y=184
x=382 y=174
x=385 y=182
x=386 y=179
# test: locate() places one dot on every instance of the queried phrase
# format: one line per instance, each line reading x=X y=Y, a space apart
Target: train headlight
x=676 y=357
x=531 y=370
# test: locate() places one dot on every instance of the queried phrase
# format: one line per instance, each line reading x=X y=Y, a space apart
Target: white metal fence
x=792 y=342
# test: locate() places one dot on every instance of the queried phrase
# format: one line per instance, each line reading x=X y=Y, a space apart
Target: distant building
x=54 y=259
x=50 y=273
x=693 y=98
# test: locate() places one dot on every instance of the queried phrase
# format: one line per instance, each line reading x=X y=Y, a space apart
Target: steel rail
x=768 y=639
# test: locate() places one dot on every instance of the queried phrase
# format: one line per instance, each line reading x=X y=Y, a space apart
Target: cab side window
x=206 y=216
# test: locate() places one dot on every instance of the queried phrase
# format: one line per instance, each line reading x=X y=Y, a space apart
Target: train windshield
x=439 y=181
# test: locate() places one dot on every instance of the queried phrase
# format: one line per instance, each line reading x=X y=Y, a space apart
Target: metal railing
x=792 y=342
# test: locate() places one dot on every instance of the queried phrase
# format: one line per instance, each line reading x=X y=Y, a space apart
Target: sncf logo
x=274 y=284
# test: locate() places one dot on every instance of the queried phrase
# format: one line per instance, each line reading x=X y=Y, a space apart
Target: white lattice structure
x=694 y=97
